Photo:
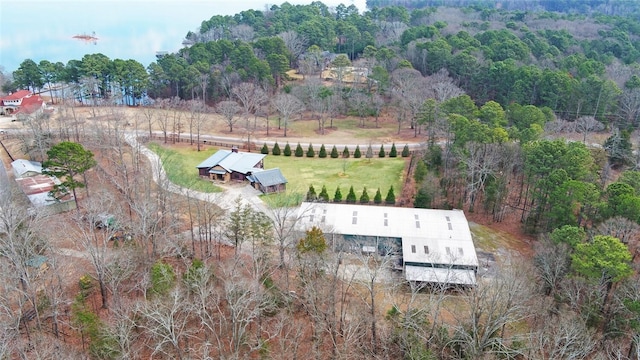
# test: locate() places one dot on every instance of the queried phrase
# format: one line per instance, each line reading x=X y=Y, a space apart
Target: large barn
x=435 y=245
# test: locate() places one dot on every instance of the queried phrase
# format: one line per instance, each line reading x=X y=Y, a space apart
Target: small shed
x=268 y=181
x=25 y=168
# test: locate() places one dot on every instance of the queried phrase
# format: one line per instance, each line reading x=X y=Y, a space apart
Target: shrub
x=369 y=153
x=337 y=197
x=287 y=150
x=276 y=149
x=381 y=152
x=310 y=151
x=405 y=151
x=357 y=153
x=265 y=149
x=334 y=152
x=299 y=151
x=324 y=196
x=391 y=197
x=377 y=199
x=345 y=152
x=394 y=151
x=351 y=196
x=420 y=172
x=323 y=152
x=311 y=194
x=364 y=198
x=162 y=278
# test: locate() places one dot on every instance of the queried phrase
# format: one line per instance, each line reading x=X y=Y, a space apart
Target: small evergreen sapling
x=265 y=149
x=364 y=198
x=377 y=199
x=351 y=196
x=381 y=153
x=299 y=151
x=287 y=150
x=405 y=151
x=310 y=152
x=345 y=152
x=394 y=152
x=391 y=197
x=323 y=196
x=334 y=152
x=323 y=152
x=369 y=153
x=276 y=149
x=357 y=154
x=337 y=197
x=311 y=194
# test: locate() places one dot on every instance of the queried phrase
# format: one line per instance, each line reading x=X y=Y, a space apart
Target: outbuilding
x=432 y=246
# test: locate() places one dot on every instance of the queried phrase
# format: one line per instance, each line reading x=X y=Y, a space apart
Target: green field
x=373 y=173
x=180 y=165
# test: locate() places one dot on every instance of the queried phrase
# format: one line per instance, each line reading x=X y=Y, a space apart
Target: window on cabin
x=460 y=251
x=426 y=249
x=413 y=249
x=450 y=226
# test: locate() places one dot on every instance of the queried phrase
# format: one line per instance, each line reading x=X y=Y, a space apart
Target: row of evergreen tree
x=351 y=198
x=311 y=152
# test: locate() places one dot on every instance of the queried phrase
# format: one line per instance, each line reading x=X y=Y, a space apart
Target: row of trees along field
x=482 y=87
x=575 y=65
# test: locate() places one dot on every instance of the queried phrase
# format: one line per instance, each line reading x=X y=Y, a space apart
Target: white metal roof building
x=437 y=246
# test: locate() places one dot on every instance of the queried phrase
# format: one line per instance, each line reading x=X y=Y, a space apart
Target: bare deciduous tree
x=287 y=105
x=295 y=43
x=228 y=109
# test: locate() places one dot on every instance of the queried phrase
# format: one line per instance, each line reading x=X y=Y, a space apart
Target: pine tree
x=323 y=152
x=394 y=152
x=381 y=152
x=287 y=150
x=369 y=153
x=334 y=152
x=364 y=198
x=310 y=151
x=337 y=197
x=265 y=149
x=377 y=199
x=276 y=149
x=351 y=196
x=345 y=152
x=299 y=151
x=311 y=194
x=323 y=196
x=357 y=153
x=405 y=151
x=391 y=197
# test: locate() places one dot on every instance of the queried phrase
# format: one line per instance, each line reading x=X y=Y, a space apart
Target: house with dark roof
x=268 y=181
x=227 y=165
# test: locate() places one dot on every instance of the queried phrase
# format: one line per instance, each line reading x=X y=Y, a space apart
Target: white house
x=435 y=245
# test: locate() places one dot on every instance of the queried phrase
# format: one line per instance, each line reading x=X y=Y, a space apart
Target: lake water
x=126 y=29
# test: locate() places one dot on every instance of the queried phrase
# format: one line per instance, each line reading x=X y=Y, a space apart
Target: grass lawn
x=349 y=125
x=370 y=173
x=180 y=165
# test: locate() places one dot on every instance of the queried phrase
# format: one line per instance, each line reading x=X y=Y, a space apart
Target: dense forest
x=489 y=90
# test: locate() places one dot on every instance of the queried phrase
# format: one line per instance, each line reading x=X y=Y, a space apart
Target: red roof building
x=21 y=102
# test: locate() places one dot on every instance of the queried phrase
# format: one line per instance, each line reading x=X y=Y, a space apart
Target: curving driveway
x=225 y=199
